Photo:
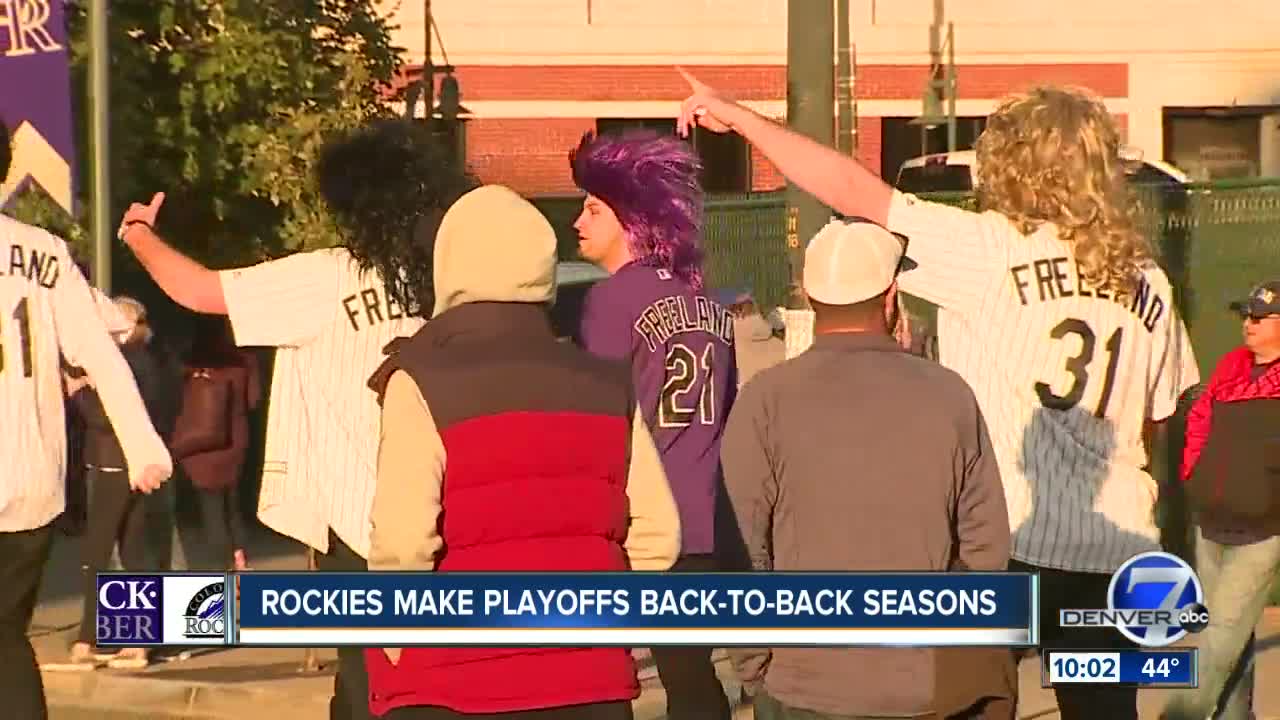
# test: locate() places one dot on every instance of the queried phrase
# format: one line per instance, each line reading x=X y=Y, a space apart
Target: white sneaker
x=82 y=659
x=130 y=659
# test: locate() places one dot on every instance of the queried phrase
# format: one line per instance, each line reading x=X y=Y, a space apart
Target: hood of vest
x=494 y=246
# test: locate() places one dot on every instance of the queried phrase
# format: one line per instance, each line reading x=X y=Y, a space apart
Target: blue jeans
x=1237 y=581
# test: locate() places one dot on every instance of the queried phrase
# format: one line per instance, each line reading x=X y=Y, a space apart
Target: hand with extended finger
x=704 y=107
x=140 y=214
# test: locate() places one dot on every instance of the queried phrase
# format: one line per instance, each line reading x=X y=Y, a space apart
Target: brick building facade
x=537 y=75
x=529 y=153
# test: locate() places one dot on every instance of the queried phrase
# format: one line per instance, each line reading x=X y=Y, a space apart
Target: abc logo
x=1193 y=618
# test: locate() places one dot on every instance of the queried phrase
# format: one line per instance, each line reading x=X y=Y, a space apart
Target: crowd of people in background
x=670 y=434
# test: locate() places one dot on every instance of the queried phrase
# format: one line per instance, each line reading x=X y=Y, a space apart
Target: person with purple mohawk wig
x=649 y=184
x=640 y=222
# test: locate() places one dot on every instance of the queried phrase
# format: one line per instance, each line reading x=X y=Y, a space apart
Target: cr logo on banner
x=26 y=24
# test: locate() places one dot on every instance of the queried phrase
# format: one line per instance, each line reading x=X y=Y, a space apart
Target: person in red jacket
x=549 y=462
x=1231 y=463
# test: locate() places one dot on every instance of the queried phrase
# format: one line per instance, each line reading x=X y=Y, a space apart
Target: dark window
x=613 y=126
x=726 y=159
x=900 y=140
x=1214 y=143
x=935 y=177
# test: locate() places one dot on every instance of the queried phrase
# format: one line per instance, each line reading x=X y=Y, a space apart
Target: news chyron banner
x=1154 y=600
x=311 y=609
x=35 y=98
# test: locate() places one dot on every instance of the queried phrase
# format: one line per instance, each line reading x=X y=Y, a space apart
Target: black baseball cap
x=1264 y=300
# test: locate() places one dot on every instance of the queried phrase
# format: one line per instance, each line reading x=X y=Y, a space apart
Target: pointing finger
x=156 y=201
x=694 y=83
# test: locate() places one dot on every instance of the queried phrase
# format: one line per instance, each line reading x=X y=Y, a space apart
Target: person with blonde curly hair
x=1051 y=306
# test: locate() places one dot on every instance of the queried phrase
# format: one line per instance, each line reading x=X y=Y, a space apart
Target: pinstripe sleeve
x=282 y=303
x=1176 y=373
x=958 y=252
x=83 y=339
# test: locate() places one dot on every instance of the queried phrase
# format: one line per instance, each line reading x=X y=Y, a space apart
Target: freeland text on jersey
x=34 y=265
x=1058 y=278
x=669 y=316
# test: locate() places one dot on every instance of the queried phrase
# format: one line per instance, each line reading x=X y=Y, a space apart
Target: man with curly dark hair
x=329 y=313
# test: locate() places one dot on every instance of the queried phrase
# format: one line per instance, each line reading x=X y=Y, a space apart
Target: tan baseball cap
x=851 y=260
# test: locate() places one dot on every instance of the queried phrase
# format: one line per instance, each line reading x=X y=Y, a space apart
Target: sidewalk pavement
x=215 y=684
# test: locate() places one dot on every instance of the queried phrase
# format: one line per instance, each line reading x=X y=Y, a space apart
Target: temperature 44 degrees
x=1152 y=667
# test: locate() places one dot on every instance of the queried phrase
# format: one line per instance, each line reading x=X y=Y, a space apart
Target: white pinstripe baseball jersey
x=330 y=323
x=1065 y=375
x=47 y=312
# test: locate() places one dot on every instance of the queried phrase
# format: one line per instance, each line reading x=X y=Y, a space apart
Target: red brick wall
x=762 y=82
x=1122 y=124
x=764 y=176
x=869 y=142
x=530 y=154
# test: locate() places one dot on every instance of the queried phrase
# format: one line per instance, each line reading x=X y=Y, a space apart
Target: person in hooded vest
x=550 y=467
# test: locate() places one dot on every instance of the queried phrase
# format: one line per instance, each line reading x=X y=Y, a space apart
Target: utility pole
x=100 y=123
x=942 y=82
x=810 y=105
x=844 y=79
x=428 y=71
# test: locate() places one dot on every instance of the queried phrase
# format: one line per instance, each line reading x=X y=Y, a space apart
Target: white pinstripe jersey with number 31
x=1065 y=374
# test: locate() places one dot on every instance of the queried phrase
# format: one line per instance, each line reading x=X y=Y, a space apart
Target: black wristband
x=124 y=227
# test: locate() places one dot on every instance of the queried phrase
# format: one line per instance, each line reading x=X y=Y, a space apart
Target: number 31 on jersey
x=1078 y=367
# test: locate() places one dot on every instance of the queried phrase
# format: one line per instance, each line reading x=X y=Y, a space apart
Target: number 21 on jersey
x=687 y=370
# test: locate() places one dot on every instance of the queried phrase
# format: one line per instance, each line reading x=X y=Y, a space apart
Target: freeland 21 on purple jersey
x=680 y=346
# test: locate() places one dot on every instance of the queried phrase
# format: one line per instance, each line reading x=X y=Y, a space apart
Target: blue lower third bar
x=1137 y=668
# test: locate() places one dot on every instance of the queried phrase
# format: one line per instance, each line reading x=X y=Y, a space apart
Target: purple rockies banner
x=35 y=98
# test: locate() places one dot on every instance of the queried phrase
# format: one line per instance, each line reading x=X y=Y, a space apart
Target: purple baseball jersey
x=680 y=346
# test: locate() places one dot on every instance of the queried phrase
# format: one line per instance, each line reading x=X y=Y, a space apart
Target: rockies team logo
x=204 y=616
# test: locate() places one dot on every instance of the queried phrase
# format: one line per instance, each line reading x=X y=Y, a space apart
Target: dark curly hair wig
x=389 y=184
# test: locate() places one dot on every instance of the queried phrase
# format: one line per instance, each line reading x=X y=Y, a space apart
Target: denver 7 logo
x=1150 y=595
